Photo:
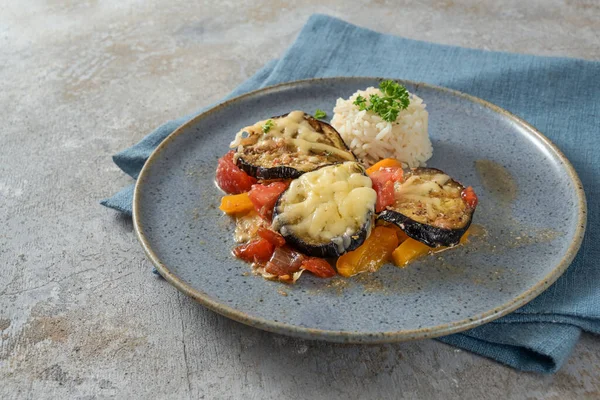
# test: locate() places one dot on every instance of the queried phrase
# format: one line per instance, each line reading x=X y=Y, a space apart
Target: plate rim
x=360 y=336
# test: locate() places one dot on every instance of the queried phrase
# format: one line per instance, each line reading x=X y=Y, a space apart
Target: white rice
x=372 y=139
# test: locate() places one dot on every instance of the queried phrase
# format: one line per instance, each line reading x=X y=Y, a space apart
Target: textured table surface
x=81 y=316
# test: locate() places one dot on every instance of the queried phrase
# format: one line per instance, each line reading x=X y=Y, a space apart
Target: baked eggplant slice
x=287 y=146
x=431 y=207
x=327 y=212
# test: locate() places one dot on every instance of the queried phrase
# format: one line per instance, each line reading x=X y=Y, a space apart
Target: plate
x=528 y=226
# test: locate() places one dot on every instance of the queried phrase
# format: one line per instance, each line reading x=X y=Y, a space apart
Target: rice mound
x=372 y=139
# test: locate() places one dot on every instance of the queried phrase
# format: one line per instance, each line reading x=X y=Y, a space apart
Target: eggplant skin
x=432 y=236
x=427 y=234
x=287 y=171
x=330 y=249
x=279 y=172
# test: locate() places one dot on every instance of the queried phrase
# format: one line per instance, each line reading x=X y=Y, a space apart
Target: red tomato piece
x=398 y=175
x=273 y=237
x=383 y=183
x=385 y=194
x=264 y=197
x=388 y=174
x=230 y=178
x=469 y=196
x=318 y=267
x=259 y=250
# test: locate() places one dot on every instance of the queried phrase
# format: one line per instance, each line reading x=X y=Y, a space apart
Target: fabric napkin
x=559 y=96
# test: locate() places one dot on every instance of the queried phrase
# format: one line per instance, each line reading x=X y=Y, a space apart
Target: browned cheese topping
x=293 y=140
x=432 y=197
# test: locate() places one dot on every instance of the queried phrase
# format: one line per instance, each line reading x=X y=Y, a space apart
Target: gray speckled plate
x=528 y=231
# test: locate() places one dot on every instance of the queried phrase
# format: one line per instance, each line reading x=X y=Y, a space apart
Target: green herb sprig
x=320 y=114
x=268 y=125
x=388 y=106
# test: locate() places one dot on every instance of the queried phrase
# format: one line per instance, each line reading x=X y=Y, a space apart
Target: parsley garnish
x=361 y=102
x=320 y=114
x=268 y=125
x=394 y=99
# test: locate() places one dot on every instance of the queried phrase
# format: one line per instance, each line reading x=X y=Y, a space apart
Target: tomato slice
x=469 y=196
x=319 y=267
x=273 y=237
x=230 y=178
x=264 y=197
x=259 y=250
x=383 y=183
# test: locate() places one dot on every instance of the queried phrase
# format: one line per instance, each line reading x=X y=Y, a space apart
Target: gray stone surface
x=80 y=314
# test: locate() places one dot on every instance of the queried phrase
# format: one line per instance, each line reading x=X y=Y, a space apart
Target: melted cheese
x=329 y=204
x=292 y=129
x=432 y=199
x=246 y=227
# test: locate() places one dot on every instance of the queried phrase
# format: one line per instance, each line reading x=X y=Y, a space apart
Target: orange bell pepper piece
x=370 y=256
x=236 y=204
x=408 y=251
x=412 y=249
x=385 y=163
x=399 y=232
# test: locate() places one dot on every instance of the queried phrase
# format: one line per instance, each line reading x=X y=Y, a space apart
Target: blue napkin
x=559 y=96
